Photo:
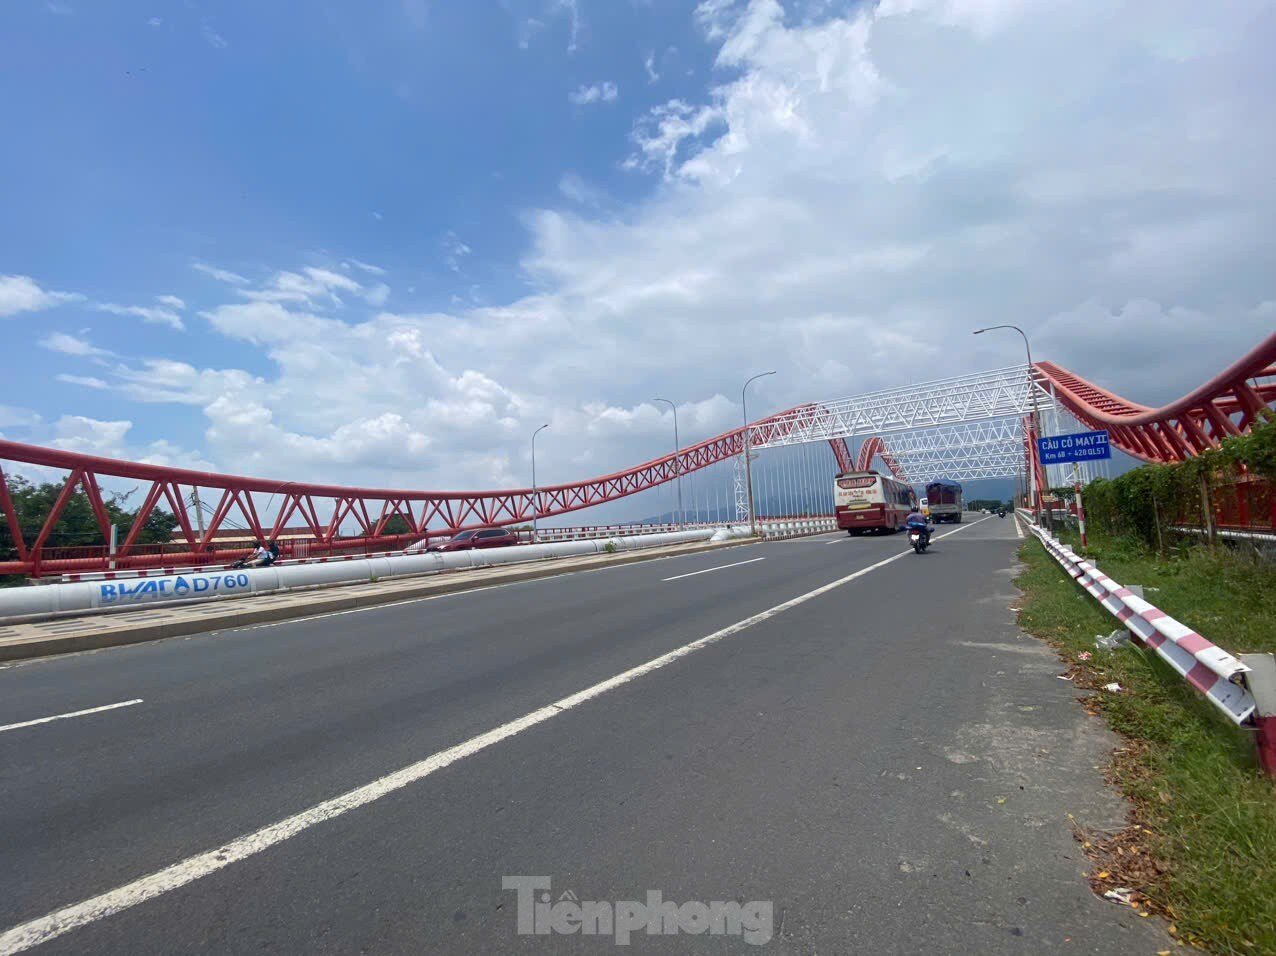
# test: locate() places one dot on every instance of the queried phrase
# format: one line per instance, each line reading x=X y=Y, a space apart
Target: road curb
x=234 y=612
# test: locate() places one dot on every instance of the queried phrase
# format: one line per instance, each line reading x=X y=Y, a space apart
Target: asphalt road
x=887 y=764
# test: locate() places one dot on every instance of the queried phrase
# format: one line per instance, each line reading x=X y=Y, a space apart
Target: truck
x=944 y=501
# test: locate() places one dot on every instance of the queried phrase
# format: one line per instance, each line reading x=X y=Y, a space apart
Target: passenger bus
x=866 y=501
x=945 y=501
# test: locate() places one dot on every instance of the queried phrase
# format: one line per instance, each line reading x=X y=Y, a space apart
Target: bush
x=1145 y=502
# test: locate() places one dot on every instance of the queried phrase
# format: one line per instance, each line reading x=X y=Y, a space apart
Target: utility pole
x=199 y=512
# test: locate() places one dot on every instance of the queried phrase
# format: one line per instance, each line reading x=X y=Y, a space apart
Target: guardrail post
x=1262 y=684
x=1137 y=591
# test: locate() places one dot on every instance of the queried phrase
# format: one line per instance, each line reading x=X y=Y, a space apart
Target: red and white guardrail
x=1228 y=683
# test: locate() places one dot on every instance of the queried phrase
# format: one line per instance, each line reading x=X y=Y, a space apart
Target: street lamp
x=677 y=460
x=536 y=496
x=1036 y=412
x=748 y=444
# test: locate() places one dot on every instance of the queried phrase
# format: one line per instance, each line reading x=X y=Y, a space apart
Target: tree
x=77 y=524
x=396 y=524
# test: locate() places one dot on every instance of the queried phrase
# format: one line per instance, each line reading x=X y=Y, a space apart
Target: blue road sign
x=1083 y=446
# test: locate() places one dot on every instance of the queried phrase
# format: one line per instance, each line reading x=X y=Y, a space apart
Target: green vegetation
x=1145 y=502
x=1202 y=845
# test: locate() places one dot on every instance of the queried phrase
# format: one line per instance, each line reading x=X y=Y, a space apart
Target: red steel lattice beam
x=1227 y=404
x=236 y=502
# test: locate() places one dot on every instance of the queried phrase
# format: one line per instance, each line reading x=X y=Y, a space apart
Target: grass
x=1201 y=848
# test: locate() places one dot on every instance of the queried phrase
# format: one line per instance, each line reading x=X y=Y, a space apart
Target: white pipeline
x=199 y=585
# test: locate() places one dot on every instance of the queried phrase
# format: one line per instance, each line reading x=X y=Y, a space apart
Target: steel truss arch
x=322 y=510
x=920 y=428
x=1228 y=404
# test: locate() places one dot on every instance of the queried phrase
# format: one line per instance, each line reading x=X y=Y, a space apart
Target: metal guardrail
x=1237 y=689
x=796 y=527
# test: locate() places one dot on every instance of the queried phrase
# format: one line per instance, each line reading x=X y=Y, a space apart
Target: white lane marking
x=22 y=937
x=460 y=593
x=74 y=713
x=721 y=567
x=1018 y=527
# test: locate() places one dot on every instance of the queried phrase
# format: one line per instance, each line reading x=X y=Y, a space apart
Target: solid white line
x=74 y=713
x=721 y=567
x=23 y=937
x=461 y=593
x=1018 y=527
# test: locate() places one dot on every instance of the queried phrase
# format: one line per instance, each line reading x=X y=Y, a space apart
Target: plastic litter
x=1114 y=687
x=1120 y=895
x=1113 y=640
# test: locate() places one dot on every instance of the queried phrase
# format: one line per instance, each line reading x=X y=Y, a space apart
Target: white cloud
x=154 y=22
x=221 y=275
x=111 y=439
x=368 y=267
x=573 y=187
x=604 y=92
x=649 y=64
x=212 y=37
x=22 y=294
x=853 y=197
x=88 y=381
x=70 y=345
x=146 y=313
x=172 y=301
x=573 y=23
x=454 y=250
x=12 y=416
x=305 y=287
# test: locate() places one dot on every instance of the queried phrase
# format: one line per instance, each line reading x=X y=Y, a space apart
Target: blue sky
x=380 y=242
x=160 y=134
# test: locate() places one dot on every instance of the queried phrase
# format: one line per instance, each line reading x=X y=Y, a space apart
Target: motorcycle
x=919 y=538
x=1001 y=514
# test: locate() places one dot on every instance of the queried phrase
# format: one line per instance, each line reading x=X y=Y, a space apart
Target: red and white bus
x=867 y=501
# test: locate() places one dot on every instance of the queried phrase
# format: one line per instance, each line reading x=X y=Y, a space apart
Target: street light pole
x=677 y=460
x=748 y=444
x=536 y=495
x=1036 y=413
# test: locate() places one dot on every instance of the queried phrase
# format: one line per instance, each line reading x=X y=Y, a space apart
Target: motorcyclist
x=263 y=556
x=916 y=519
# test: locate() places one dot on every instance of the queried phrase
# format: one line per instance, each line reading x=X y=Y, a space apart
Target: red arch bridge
x=965 y=427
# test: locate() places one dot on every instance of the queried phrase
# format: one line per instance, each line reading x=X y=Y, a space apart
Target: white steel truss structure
x=991 y=449
x=1001 y=393
x=963 y=428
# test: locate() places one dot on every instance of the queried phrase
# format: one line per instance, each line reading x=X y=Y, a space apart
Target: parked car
x=477 y=538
